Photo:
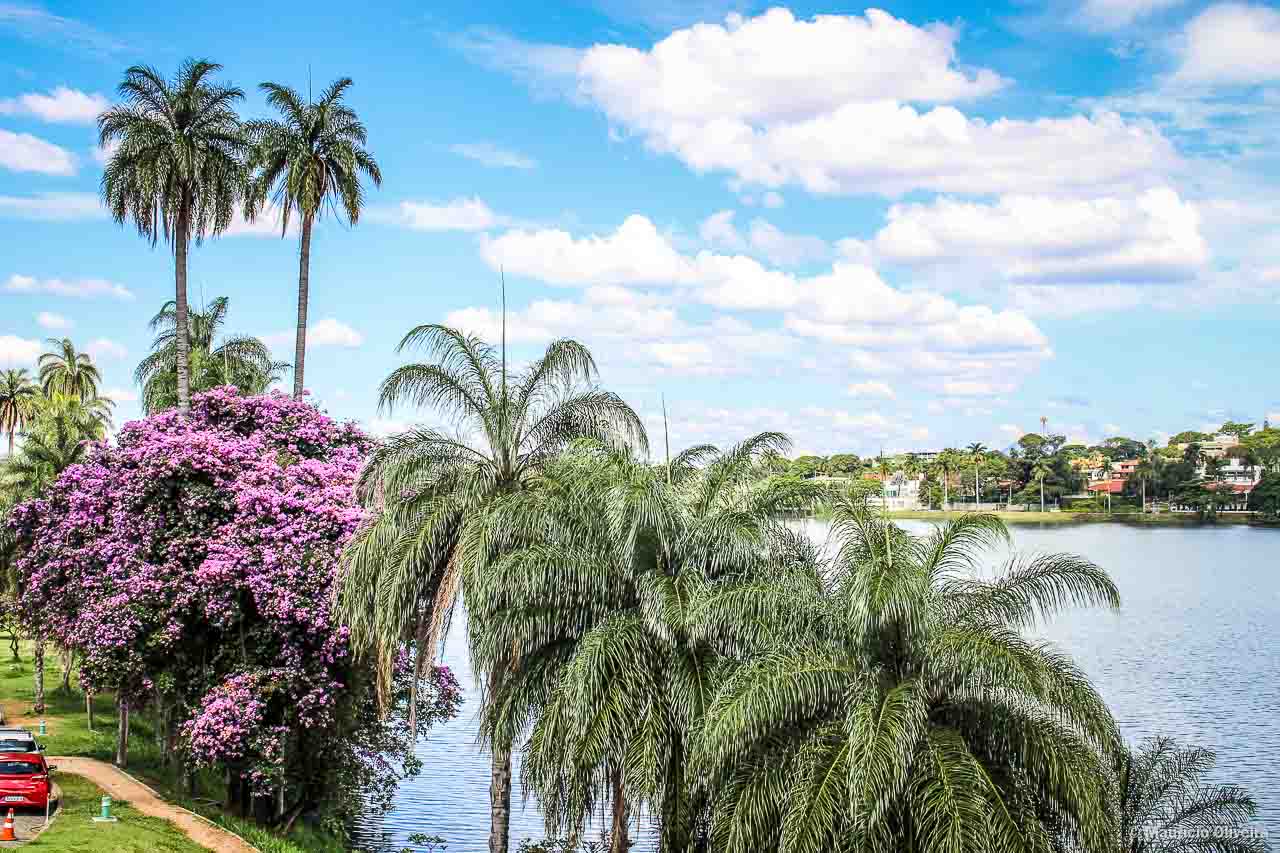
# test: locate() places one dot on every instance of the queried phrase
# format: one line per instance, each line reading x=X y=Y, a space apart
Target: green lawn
x=73 y=831
x=69 y=735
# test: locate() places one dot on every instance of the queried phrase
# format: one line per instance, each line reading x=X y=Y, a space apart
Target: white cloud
x=634 y=254
x=871 y=388
x=1154 y=237
x=121 y=395
x=57 y=207
x=763 y=239
x=266 y=224
x=718 y=230
x=331 y=332
x=460 y=214
x=18 y=352
x=488 y=154
x=762 y=70
x=831 y=105
x=786 y=249
x=814 y=429
x=61 y=105
x=772 y=200
x=547 y=69
x=50 y=320
x=1230 y=43
x=850 y=306
x=22 y=152
x=81 y=287
x=105 y=348
x=1115 y=14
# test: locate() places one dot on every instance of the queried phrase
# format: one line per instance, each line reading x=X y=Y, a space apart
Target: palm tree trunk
x=499 y=789
x=1042 y=494
x=619 y=842
x=38 y=705
x=180 y=297
x=11 y=443
x=122 y=735
x=946 y=493
x=304 y=289
x=500 y=800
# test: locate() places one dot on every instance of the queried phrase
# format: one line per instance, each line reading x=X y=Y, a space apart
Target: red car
x=24 y=780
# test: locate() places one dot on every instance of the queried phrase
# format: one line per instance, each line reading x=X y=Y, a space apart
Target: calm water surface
x=1194 y=654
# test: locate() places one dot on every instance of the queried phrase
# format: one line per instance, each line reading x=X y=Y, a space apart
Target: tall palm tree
x=977 y=450
x=1108 y=467
x=177 y=170
x=1039 y=470
x=1165 y=805
x=898 y=705
x=240 y=360
x=63 y=370
x=313 y=156
x=426 y=489
x=617 y=692
x=17 y=402
x=947 y=461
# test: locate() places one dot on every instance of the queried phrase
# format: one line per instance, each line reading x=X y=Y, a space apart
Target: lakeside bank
x=1161 y=519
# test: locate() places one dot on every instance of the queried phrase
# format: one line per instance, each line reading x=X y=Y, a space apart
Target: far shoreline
x=1163 y=519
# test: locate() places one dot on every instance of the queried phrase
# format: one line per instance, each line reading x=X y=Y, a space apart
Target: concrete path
x=121 y=786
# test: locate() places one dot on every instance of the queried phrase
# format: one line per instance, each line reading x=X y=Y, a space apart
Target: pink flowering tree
x=192 y=566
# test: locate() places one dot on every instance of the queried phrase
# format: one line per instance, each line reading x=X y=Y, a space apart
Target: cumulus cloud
x=872 y=388
x=53 y=206
x=634 y=279
x=851 y=104
x=815 y=429
x=460 y=214
x=1230 y=43
x=329 y=332
x=63 y=104
x=495 y=156
x=763 y=239
x=22 y=152
x=50 y=320
x=82 y=287
x=121 y=395
x=18 y=352
x=1153 y=237
x=105 y=348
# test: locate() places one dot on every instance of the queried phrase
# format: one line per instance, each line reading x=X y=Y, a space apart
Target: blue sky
x=909 y=227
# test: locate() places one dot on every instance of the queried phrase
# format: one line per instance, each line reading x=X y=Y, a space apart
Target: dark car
x=24 y=780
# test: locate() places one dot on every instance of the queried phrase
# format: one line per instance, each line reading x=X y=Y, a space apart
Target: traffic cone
x=6 y=831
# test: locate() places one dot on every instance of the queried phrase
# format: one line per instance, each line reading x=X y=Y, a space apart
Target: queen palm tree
x=1165 y=805
x=63 y=370
x=18 y=395
x=426 y=490
x=59 y=434
x=1039 y=470
x=976 y=452
x=314 y=156
x=240 y=360
x=621 y=560
x=947 y=461
x=177 y=170
x=897 y=704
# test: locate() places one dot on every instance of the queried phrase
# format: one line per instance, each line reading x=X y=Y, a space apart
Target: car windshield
x=11 y=744
x=18 y=768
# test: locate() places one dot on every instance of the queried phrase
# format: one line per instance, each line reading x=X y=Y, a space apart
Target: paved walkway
x=123 y=787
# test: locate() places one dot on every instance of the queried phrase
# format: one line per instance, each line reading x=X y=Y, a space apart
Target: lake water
x=1194 y=654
